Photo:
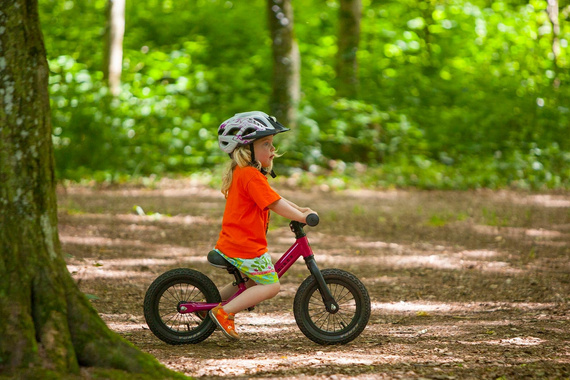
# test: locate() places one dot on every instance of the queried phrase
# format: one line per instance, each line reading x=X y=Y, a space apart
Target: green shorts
x=259 y=269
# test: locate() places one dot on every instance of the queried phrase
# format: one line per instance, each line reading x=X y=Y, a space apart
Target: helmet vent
x=249 y=131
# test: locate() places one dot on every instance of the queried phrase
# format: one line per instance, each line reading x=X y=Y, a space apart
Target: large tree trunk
x=286 y=62
x=348 y=40
x=47 y=324
x=115 y=31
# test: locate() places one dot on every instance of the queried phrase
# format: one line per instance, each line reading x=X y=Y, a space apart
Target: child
x=248 y=139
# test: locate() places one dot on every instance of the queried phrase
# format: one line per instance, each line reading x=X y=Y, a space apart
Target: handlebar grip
x=312 y=220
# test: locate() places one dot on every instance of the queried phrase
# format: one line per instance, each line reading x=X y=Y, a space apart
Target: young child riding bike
x=248 y=138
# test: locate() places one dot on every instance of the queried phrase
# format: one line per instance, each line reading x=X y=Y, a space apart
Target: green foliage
x=453 y=94
x=150 y=128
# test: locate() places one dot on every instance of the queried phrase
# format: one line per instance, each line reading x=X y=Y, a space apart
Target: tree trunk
x=47 y=324
x=286 y=62
x=553 y=16
x=553 y=12
x=115 y=31
x=348 y=40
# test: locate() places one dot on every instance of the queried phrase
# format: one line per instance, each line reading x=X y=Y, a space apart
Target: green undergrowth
x=427 y=175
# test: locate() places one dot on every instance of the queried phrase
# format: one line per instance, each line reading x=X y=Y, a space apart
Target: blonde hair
x=241 y=157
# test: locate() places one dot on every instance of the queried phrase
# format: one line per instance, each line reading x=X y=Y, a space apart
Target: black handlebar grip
x=312 y=220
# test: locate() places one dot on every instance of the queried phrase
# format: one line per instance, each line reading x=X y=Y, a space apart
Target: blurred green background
x=453 y=94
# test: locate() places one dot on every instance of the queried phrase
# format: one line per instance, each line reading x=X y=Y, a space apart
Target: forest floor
x=464 y=285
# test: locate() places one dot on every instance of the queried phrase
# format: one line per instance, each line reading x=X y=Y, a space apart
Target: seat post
x=237 y=275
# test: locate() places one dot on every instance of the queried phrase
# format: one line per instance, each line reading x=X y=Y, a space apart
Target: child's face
x=264 y=150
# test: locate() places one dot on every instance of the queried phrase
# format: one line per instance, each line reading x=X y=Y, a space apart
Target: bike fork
x=328 y=299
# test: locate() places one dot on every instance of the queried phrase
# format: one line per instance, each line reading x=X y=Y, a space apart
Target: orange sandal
x=224 y=321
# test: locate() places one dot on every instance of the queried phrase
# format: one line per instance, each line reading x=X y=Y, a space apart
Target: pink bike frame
x=300 y=248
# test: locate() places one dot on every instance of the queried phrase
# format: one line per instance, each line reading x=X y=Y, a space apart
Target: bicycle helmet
x=246 y=127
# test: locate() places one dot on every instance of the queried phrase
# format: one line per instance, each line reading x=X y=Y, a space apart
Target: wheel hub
x=181 y=308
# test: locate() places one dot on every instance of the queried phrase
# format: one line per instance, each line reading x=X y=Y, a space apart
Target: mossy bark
x=47 y=325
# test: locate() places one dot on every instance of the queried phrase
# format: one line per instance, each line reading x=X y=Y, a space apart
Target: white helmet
x=246 y=127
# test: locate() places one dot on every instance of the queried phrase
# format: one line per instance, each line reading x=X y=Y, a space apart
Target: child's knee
x=277 y=287
x=273 y=289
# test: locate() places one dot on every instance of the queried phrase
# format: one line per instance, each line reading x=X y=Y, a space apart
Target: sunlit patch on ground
x=457 y=308
x=517 y=232
x=479 y=254
x=91 y=274
x=544 y=200
x=518 y=341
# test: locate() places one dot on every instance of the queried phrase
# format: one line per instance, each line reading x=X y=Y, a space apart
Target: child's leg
x=230 y=289
x=252 y=296
x=262 y=272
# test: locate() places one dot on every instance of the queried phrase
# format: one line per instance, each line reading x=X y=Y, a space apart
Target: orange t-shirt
x=246 y=216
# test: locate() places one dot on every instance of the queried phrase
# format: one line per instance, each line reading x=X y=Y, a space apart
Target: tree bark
x=286 y=87
x=115 y=32
x=553 y=13
x=348 y=40
x=47 y=324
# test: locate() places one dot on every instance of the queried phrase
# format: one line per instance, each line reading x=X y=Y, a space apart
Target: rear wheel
x=161 y=303
x=325 y=327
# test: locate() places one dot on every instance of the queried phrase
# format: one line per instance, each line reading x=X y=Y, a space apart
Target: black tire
x=341 y=327
x=163 y=297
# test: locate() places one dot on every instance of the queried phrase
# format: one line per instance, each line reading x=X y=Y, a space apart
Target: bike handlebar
x=312 y=220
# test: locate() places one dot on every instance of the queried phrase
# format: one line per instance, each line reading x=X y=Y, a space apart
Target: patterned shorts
x=259 y=269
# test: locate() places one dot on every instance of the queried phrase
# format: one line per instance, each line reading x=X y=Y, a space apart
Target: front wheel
x=341 y=327
x=161 y=303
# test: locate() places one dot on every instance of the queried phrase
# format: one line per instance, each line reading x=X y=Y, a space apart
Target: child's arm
x=290 y=210
x=301 y=209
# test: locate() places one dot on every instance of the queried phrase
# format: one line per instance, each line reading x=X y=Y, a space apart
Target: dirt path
x=463 y=285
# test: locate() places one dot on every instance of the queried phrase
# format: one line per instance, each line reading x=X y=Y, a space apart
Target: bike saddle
x=218 y=261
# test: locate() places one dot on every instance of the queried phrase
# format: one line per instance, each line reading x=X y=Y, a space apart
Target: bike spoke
x=169 y=294
x=168 y=307
x=170 y=322
x=338 y=321
x=177 y=321
x=320 y=316
x=342 y=321
x=343 y=294
x=190 y=295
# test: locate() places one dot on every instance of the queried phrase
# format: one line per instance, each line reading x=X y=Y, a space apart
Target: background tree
x=553 y=15
x=286 y=80
x=348 y=40
x=114 y=32
x=47 y=323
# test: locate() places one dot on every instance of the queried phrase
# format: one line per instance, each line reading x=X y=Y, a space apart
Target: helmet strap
x=263 y=171
x=252 y=154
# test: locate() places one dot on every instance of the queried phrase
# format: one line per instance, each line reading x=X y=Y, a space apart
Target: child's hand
x=307 y=212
